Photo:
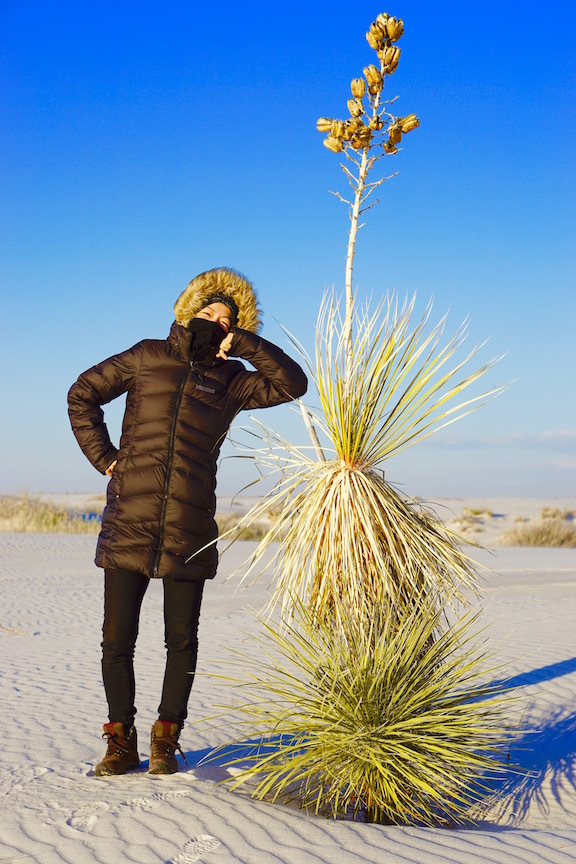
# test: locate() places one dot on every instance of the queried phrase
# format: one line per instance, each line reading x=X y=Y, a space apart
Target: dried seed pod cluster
x=364 y=123
x=399 y=127
x=383 y=31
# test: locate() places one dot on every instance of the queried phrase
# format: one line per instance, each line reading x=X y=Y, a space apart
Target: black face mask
x=206 y=339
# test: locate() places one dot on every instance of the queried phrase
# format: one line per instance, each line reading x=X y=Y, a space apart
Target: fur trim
x=221 y=280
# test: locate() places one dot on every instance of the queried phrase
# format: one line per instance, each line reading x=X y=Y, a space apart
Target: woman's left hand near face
x=225 y=346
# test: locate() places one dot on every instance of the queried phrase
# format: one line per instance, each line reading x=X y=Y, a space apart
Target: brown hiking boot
x=163 y=747
x=122 y=752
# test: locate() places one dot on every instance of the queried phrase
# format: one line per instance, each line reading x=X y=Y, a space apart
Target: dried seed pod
x=355 y=107
x=359 y=142
x=358 y=87
x=376 y=123
x=391 y=54
x=348 y=131
x=373 y=41
x=363 y=131
x=372 y=75
x=389 y=147
x=376 y=36
x=391 y=58
x=333 y=144
x=382 y=19
x=324 y=124
x=354 y=123
x=394 y=28
x=408 y=123
x=337 y=128
x=395 y=133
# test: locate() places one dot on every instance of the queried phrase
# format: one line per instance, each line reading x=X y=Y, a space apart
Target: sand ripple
x=53 y=809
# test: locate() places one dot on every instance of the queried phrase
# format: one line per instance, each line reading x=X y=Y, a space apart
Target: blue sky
x=143 y=143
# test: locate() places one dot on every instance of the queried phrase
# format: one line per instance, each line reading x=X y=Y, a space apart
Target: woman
x=182 y=395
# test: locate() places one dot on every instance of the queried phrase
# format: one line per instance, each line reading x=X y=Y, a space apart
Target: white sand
x=53 y=809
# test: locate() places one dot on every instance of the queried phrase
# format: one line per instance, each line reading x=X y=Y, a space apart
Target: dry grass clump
x=234 y=528
x=97 y=501
x=29 y=514
x=541 y=532
x=471 y=520
x=556 y=513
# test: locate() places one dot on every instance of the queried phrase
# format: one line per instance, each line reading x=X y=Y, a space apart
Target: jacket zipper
x=169 y=467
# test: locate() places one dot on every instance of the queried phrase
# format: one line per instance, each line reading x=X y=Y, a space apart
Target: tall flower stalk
x=370 y=132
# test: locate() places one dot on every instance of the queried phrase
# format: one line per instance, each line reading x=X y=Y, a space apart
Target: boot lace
x=165 y=747
x=116 y=745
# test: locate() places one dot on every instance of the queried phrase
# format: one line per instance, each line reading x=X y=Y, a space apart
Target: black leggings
x=123 y=595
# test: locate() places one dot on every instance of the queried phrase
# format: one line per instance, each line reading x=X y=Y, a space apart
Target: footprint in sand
x=195 y=848
x=85 y=817
x=153 y=800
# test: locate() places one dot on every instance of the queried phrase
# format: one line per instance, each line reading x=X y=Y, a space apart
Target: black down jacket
x=161 y=497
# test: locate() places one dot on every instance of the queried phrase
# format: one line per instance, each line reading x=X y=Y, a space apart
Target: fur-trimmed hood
x=221 y=280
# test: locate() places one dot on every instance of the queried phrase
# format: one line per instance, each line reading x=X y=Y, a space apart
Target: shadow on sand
x=542 y=756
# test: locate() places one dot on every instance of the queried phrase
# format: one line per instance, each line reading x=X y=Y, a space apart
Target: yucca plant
x=393 y=724
x=365 y=697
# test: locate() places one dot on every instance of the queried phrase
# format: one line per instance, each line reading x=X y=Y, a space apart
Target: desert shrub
x=29 y=514
x=541 y=532
x=481 y=512
x=471 y=519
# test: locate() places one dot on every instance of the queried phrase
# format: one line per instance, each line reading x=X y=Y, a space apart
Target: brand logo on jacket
x=205 y=389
